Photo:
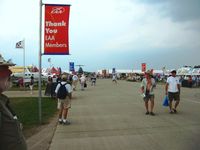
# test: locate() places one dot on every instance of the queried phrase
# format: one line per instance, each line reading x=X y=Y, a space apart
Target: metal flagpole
x=23 y=45
x=40 y=66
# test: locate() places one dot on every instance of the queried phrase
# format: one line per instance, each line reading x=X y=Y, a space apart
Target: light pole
x=40 y=65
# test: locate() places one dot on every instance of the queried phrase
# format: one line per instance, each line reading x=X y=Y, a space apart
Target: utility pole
x=40 y=65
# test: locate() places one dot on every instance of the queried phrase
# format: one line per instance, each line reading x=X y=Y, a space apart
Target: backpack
x=62 y=91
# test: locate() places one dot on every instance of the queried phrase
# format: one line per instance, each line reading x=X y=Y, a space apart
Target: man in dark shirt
x=11 y=137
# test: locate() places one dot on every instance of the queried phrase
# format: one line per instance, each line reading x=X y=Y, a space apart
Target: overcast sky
x=109 y=33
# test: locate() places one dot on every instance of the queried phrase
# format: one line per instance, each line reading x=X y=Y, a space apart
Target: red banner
x=143 y=67
x=56 y=26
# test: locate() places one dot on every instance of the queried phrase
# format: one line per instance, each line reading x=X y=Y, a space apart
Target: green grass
x=26 y=109
x=17 y=88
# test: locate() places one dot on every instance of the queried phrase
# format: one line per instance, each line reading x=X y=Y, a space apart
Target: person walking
x=147 y=86
x=53 y=86
x=114 y=78
x=64 y=94
x=83 y=82
x=31 y=84
x=172 y=90
x=48 y=87
x=93 y=79
x=74 y=81
x=11 y=137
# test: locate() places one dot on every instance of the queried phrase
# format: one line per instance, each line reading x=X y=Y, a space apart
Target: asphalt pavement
x=112 y=116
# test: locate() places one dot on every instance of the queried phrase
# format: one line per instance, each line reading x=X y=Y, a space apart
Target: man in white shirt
x=114 y=78
x=82 y=81
x=64 y=103
x=172 y=89
x=74 y=81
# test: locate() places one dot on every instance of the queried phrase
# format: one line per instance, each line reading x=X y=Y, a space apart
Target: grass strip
x=26 y=109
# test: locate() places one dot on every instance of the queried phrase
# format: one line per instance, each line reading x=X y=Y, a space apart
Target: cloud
x=152 y=31
x=119 y=32
x=178 y=10
x=17 y=18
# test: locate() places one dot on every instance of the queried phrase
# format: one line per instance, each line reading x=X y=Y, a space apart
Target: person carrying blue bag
x=166 y=101
x=172 y=90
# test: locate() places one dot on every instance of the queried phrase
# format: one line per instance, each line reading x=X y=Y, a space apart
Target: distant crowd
x=72 y=79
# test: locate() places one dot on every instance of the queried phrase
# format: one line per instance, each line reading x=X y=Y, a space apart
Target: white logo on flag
x=19 y=44
x=57 y=10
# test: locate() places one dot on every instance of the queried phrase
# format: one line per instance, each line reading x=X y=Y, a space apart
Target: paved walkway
x=112 y=117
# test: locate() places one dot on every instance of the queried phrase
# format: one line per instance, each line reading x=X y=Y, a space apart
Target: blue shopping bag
x=166 y=101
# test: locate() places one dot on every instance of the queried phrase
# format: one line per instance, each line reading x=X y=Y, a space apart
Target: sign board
x=71 y=66
x=143 y=67
x=56 y=25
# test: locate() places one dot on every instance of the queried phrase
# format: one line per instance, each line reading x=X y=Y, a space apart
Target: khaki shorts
x=64 y=103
